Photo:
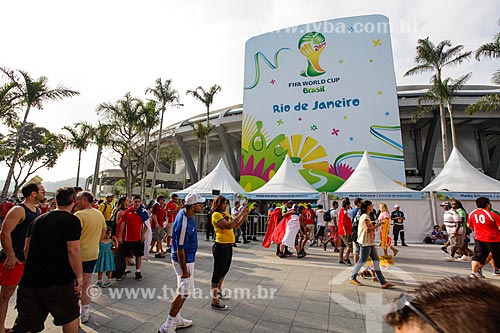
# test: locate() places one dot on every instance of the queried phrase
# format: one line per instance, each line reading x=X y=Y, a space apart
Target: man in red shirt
x=486 y=226
x=345 y=231
x=132 y=233
x=308 y=215
x=172 y=208
x=157 y=221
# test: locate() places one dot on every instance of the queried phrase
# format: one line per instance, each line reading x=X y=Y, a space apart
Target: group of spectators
x=52 y=252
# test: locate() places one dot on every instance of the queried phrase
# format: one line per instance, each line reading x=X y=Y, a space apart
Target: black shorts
x=34 y=304
x=483 y=249
x=137 y=248
x=321 y=231
x=88 y=266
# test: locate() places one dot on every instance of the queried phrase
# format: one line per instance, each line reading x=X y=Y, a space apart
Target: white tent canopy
x=219 y=179
x=287 y=183
x=369 y=182
x=369 y=178
x=458 y=175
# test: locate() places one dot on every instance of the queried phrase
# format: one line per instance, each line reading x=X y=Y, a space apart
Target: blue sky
x=104 y=49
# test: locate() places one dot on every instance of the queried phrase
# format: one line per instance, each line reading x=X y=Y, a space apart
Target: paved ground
x=309 y=295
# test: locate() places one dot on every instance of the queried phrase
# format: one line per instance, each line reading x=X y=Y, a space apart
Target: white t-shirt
x=450 y=218
x=335 y=216
x=319 y=215
x=235 y=211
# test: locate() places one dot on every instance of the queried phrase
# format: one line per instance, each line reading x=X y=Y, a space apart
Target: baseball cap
x=445 y=203
x=109 y=195
x=194 y=198
x=296 y=207
x=396 y=206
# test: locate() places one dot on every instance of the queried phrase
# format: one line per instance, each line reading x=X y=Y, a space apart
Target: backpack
x=355 y=223
x=428 y=240
x=327 y=216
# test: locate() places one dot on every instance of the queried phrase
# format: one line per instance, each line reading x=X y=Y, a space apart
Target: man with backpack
x=105 y=208
x=355 y=214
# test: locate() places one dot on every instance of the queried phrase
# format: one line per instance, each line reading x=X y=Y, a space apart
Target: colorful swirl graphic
x=375 y=130
x=267 y=61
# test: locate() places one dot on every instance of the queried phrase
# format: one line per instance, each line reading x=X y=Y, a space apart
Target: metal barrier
x=255 y=226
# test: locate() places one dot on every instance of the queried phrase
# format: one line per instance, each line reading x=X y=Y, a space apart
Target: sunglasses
x=405 y=302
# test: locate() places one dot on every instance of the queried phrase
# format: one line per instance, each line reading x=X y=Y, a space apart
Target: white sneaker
x=465 y=258
x=84 y=317
x=165 y=329
x=449 y=259
x=182 y=323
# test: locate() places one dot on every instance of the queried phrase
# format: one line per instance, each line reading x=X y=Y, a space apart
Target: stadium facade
x=478 y=138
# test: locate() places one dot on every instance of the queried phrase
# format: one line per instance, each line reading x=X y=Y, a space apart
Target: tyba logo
x=311 y=45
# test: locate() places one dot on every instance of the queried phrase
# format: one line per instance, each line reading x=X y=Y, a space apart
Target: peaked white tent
x=368 y=177
x=219 y=179
x=458 y=175
x=286 y=184
x=462 y=181
x=369 y=182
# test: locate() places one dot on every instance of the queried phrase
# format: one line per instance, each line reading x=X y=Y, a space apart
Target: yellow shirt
x=92 y=223
x=223 y=236
x=105 y=208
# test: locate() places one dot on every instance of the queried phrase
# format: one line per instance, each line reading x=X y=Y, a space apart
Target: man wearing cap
x=105 y=208
x=398 y=217
x=453 y=222
x=183 y=254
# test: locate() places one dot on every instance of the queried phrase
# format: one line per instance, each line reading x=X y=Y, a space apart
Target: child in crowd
x=105 y=260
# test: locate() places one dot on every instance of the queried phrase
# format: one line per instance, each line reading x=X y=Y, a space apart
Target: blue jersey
x=184 y=237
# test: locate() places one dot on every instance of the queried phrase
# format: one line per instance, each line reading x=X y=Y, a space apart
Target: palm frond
x=488 y=103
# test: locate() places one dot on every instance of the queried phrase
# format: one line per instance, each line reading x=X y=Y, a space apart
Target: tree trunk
x=78 y=169
x=129 y=165
x=157 y=154
x=199 y=159
x=206 y=145
x=6 y=186
x=145 y=168
x=444 y=135
x=452 y=125
x=96 y=170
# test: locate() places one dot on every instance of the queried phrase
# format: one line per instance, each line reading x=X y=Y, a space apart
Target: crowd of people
x=84 y=236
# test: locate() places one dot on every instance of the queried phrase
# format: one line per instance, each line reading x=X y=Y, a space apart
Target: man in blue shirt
x=184 y=246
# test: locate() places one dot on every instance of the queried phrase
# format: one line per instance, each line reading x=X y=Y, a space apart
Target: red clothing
x=271 y=226
x=485 y=225
x=6 y=206
x=280 y=229
x=344 y=221
x=44 y=208
x=132 y=231
x=309 y=216
x=159 y=211
x=171 y=211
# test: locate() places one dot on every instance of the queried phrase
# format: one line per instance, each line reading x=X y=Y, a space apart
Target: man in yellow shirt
x=93 y=231
x=106 y=208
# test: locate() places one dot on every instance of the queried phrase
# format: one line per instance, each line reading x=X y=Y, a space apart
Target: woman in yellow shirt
x=222 y=249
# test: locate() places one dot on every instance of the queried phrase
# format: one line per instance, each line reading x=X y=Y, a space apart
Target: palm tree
x=100 y=137
x=207 y=98
x=79 y=138
x=29 y=94
x=124 y=115
x=163 y=95
x=201 y=132
x=435 y=58
x=148 y=120
x=8 y=112
x=490 y=102
x=445 y=91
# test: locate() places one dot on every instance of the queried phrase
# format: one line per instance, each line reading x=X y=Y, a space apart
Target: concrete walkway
x=269 y=294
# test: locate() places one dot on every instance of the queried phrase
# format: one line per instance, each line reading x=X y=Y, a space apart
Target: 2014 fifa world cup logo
x=311 y=45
